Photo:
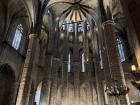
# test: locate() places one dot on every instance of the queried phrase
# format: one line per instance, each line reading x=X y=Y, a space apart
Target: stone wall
x=134 y=10
x=8 y=55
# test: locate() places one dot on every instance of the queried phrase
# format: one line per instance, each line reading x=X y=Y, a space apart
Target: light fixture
x=133 y=68
x=62 y=35
x=136 y=73
x=132 y=101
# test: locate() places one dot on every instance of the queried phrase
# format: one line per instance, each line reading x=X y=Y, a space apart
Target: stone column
x=88 y=83
x=64 y=84
x=53 y=93
x=116 y=71
x=15 y=90
x=76 y=67
x=32 y=94
x=22 y=98
x=98 y=73
x=46 y=86
x=87 y=74
x=65 y=70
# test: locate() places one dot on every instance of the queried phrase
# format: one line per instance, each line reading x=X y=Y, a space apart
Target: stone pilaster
x=22 y=98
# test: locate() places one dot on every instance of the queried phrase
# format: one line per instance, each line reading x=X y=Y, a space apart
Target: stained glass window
x=17 y=37
x=80 y=28
x=69 y=62
x=82 y=62
x=70 y=27
x=37 y=97
x=120 y=46
x=88 y=26
x=38 y=94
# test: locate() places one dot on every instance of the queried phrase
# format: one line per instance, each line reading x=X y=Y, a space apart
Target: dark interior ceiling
x=134 y=10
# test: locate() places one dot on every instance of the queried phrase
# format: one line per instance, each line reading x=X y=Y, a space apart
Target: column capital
x=107 y=22
x=33 y=35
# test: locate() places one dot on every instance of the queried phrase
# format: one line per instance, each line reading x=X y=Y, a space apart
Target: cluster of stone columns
x=112 y=67
x=25 y=83
x=74 y=88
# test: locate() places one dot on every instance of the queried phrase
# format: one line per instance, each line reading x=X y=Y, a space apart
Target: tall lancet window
x=120 y=46
x=69 y=62
x=70 y=28
x=17 y=37
x=63 y=27
x=83 y=63
x=101 y=59
x=80 y=27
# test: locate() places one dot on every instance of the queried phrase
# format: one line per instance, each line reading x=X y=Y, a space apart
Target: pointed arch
x=7 y=85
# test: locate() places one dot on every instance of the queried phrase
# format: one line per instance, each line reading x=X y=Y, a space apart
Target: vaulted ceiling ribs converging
x=74 y=11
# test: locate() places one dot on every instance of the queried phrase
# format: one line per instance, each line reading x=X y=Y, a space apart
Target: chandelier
x=116 y=89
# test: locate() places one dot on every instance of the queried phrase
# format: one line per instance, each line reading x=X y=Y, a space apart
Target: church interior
x=69 y=52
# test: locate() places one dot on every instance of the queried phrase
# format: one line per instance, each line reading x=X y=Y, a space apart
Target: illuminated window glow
x=38 y=94
x=17 y=37
x=80 y=28
x=70 y=27
x=69 y=63
x=121 y=49
x=83 y=63
x=37 y=97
